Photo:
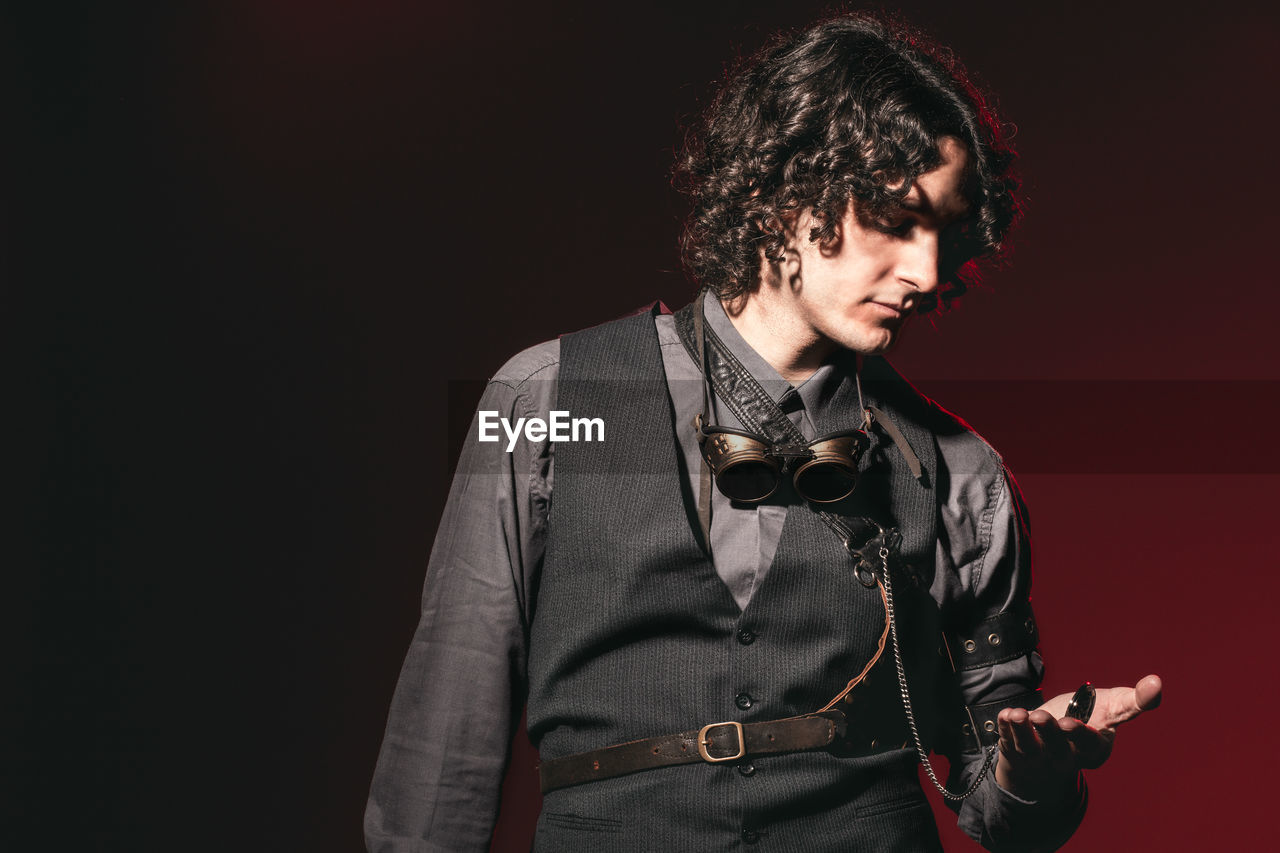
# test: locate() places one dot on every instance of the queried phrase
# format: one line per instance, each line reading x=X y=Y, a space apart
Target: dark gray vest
x=635 y=635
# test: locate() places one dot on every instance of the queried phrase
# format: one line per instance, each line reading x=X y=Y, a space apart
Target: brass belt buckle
x=704 y=742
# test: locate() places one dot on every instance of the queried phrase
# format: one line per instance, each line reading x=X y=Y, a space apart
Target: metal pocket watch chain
x=886 y=585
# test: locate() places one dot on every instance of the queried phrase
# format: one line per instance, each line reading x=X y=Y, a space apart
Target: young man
x=753 y=575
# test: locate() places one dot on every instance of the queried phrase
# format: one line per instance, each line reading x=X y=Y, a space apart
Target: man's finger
x=1121 y=704
x=1091 y=747
x=1024 y=734
x=1017 y=734
x=1056 y=746
x=1149 y=692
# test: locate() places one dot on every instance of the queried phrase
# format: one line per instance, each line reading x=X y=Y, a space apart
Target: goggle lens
x=825 y=482
x=749 y=482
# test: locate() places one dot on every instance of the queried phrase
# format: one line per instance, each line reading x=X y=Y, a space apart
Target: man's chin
x=889 y=339
x=878 y=345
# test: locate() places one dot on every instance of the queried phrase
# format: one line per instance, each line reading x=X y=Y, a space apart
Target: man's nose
x=918 y=263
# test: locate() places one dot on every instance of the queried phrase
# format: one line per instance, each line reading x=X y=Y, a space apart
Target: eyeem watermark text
x=561 y=427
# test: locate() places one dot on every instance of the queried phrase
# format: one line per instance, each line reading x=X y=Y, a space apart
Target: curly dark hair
x=850 y=109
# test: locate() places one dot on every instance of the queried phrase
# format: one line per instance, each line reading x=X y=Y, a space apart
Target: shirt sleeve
x=458 y=699
x=984 y=563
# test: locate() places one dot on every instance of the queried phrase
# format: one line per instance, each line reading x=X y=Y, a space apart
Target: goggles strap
x=704 y=476
x=913 y=461
x=704 y=502
x=699 y=354
x=733 y=383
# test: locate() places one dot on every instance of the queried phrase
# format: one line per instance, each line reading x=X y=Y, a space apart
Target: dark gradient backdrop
x=255 y=251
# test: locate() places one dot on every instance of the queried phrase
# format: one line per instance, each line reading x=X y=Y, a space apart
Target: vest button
x=746 y=636
x=747 y=769
x=750 y=836
x=743 y=701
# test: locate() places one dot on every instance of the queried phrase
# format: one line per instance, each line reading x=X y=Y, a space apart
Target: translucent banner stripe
x=1084 y=427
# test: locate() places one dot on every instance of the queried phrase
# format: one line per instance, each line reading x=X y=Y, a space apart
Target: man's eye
x=898 y=226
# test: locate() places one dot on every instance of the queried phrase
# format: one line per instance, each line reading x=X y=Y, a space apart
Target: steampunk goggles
x=749 y=468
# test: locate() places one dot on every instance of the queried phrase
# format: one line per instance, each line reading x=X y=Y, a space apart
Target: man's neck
x=791 y=348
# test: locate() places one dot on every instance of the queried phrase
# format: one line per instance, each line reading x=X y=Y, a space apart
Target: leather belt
x=716 y=743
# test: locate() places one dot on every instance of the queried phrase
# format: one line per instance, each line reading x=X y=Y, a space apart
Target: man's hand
x=1042 y=750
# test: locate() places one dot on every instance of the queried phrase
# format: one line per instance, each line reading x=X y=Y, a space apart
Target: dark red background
x=256 y=251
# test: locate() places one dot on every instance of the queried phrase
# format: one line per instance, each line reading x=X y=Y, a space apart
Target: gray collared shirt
x=462 y=685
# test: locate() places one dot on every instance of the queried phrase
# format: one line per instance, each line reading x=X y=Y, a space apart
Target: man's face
x=859 y=291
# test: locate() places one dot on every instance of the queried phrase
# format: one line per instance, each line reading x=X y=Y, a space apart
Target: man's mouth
x=892 y=310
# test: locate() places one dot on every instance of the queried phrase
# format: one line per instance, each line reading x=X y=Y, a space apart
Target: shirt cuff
x=1014 y=823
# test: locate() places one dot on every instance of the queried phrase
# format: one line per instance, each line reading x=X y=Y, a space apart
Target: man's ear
x=781 y=226
x=830 y=245
x=773 y=269
x=790 y=225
